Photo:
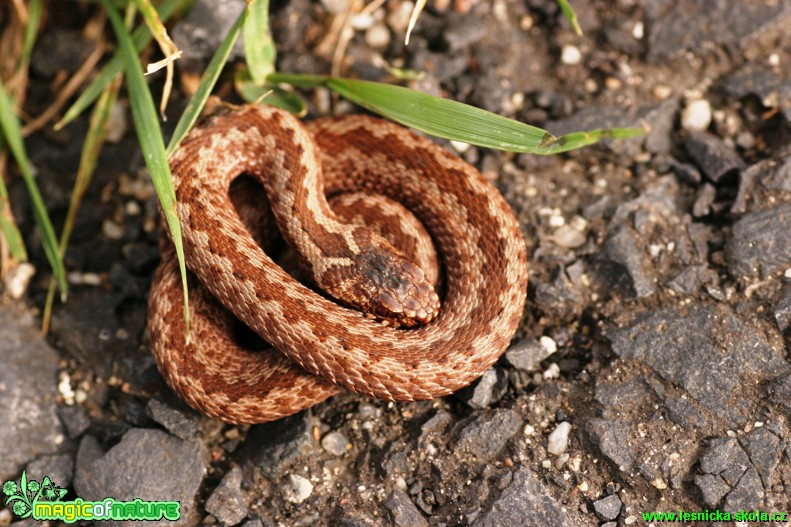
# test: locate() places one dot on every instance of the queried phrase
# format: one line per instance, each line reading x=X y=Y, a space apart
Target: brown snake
x=474 y=231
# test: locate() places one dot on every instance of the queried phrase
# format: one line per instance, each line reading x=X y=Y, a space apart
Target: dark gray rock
x=402 y=512
x=760 y=243
x=74 y=419
x=608 y=508
x=617 y=397
x=486 y=435
x=782 y=309
x=487 y=390
x=719 y=21
x=704 y=201
x=716 y=159
x=726 y=458
x=274 y=445
x=660 y=119
x=155 y=466
x=692 y=278
x=755 y=79
x=199 y=34
x=59 y=468
x=748 y=493
x=712 y=487
x=28 y=392
x=435 y=426
x=709 y=352
x=764 y=449
x=611 y=438
x=778 y=392
x=525 y=502
x=732 y=471
x=526 y=355
x=559 y=296
x=681 y=410
x=749 y=179
x=176 y=422
x=227 y=502
x=623 y=264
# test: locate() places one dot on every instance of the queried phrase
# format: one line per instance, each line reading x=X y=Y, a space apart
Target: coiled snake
x=321 y=345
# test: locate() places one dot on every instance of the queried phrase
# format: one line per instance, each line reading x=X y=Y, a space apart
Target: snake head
x=406 y=299
x=385 y=285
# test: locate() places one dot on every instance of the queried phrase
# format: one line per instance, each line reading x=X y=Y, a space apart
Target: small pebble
x=570 y=55
x=377 y=36
x=112 y=230
x=298 y=489
x=18 y=278
x=558 y=440
x=696 y=117
x=569 y=237
x=549 y=344
x=334 y=443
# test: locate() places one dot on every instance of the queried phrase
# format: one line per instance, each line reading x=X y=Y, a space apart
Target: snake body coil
x=320 y=345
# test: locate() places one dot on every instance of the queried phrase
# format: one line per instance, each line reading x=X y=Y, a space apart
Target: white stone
x=18 y=278
x=298 y=489
x=570 y=55
x=696 y=117
x=558 y=440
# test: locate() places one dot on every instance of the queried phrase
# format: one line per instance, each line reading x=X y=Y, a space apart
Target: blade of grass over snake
x=461 y=122
x=141 y=37
x=149 y=135
x=12 y=132
x=208 y=80
x=259 y=49
x=94 y=139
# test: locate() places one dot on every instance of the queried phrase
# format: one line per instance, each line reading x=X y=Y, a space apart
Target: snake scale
x=319 y=345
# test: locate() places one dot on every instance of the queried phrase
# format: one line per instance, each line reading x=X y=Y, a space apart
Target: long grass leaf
x=9 y=123
x=461 y=122
x=149 y=135
x=206 y=85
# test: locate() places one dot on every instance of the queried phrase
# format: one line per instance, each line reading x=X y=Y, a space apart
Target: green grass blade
x=149 y=134
x=570 y=15
x=259 y=49
x=461 y=122
x=9 y=229
x=141 y=37
x=9 y=124
x=31 y=30
x=207 y=82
